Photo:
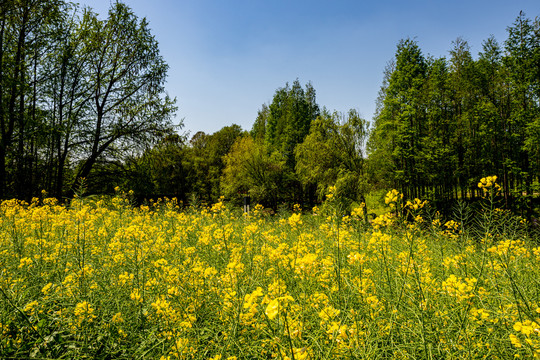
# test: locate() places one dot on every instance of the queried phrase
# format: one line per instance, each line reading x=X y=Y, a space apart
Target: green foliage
x=204 y=161
x=126 y=86
x=399 y=127
x=251 y=170
x=84 y=97
x=184 y=170
x=332 y=155
x=258 y=131
x=75 y=92
x=283 y=125
x=289 y=118
x=160 y=171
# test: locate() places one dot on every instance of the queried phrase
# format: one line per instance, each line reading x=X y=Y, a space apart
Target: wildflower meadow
x=104 y=279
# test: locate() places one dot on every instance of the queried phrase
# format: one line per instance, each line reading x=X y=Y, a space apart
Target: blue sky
x=227 y=58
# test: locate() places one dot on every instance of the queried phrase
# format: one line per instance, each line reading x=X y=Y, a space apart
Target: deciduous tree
x=250 y=170
x=126 y=82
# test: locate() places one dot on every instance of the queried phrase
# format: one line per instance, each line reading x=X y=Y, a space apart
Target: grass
x=102 y=279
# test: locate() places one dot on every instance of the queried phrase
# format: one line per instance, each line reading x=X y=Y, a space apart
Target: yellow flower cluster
x=250 y=306
x=295 y=220
x=358 y=212
x=278 y=304
x=509 y=249
x=487 y=182
x=459 y=288
x=416 y=204
x=392 y=198
x=84 y=312
x=489 y=185
x=209 y=283
x=219 y=206
x=528 y=335
x=383 y=220
x=332 y=192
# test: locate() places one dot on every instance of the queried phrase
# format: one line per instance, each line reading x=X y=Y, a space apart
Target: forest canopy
x=84 y=98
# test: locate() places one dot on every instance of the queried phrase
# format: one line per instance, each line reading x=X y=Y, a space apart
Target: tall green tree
x=437 y=161
x=493 y=109
x=74 y=91
x=400 y=123
x=24 y=26
x=380 y=144
x=160 y=171
x=467 y=141
x=283 y=125
x=126 y=80
x=258 y=131
x=68 y=90
x=522 y=62
x=290 y=115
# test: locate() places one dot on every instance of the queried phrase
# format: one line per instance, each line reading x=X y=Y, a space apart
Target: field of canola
x=102 y=279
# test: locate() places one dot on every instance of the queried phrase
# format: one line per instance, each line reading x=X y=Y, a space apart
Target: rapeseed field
x=103 y=279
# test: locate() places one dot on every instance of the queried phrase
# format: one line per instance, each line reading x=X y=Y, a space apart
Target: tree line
x=293 y=153
x=84 y=98
x=444 y=123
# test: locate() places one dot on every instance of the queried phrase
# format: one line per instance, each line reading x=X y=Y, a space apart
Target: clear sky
x=227 y=57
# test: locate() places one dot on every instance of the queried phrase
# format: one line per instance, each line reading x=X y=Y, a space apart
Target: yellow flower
x=84 y=310
x=46 y=288
x=29 y=308
x=135 y=295
x=458 y=288
x=356 y=258
x=358 y=212
x=272 y=309
x=331 y=193
x=300 y=353
x=25 y=261
x=219 y=206
x=294 y=220
x=392 y=197
x=117 y=318
x=328 y=313
x=489 y=183
x=515 y=341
